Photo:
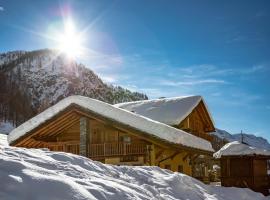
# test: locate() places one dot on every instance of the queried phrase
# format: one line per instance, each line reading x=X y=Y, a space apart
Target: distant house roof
x=171 y=111
x=153 y=128
x=238 y=149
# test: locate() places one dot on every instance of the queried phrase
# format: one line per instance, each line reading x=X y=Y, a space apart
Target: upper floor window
x=126 y=139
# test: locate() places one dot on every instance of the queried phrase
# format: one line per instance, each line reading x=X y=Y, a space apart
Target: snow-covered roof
x=171 y=111
x=132 y=120
x=239 y=149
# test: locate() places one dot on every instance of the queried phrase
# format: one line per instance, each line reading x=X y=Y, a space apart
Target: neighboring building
x=103 y=132
x=189 y=114
x=244 y=166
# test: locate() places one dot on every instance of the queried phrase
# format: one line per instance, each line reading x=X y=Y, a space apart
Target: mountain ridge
x=250 y=139
x=31 y=81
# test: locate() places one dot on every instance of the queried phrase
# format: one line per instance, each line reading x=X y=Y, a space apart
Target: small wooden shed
x=245 y=167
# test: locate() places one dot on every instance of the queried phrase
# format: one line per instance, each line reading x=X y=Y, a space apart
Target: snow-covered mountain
x=249 y=139
x=42 y=174
x=32 y=81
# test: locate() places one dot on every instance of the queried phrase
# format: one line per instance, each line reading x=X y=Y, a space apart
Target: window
x=167 y=167
x=126 y=139
x=129 y=159
x=180 y=168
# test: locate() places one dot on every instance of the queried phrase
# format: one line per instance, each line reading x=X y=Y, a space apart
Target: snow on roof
x=170 y=111
x=149 y=126
x=237 y=149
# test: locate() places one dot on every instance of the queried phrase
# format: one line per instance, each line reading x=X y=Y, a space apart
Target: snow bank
x=237 y=148
x=40 y=174
x=3 y=140
x=169 y=111
x=146 y=125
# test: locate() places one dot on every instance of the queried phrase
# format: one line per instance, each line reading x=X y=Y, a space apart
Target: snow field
x=39 y=174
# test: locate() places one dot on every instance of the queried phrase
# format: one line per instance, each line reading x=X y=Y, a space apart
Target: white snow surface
x=6 y=127
x=3 y=140
x=154 y=128
x=237 y=148
x=170 y=111
x=39 y=174
x=249 y=139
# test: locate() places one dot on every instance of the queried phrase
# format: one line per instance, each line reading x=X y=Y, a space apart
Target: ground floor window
x=167 y=167
x=180 y=168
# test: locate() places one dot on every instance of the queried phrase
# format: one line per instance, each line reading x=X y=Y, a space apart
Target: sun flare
x=70 y=41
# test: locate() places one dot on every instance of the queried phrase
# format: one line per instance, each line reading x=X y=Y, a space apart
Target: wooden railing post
x=125 y=149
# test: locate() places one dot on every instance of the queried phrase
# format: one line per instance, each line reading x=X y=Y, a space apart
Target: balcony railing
x=114 y=149
x=101 y=150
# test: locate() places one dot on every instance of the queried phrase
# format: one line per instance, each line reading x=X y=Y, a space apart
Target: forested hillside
x=32 y=81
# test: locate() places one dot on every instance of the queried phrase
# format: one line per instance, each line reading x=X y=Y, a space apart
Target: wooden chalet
x=109 y=134
x=245 y=167
x=189 y=114
x=186 y=113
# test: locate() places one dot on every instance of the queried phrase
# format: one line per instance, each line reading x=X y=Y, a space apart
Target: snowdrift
x=39 y=174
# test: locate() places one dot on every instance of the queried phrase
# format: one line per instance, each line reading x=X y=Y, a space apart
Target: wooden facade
x=85 y=133
x=198 y=123
x=246 y=172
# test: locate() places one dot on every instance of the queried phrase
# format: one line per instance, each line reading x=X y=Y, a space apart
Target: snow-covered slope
x=249 y=139
x=40 y=174
x=49 y=75
x=32 y=81
x=8 y=57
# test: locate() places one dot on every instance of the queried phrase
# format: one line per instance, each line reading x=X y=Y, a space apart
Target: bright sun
x=70 y=41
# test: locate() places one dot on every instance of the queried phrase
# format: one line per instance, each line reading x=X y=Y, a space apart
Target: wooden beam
x=159 y=154
x=169 y=157
x=186 y=156
x=57 y=142
x=53 y=132
x=66 y=126
x=204 y=110
x=39 y=128
x=66 y=121
x=176 y=153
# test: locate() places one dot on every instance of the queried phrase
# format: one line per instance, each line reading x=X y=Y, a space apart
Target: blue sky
x=218 y=49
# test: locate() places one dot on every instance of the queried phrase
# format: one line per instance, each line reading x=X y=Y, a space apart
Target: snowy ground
x=3 y=140
x=40 y=174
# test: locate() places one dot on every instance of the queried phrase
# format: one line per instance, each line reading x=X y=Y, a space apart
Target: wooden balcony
x=101 y=150
x=116 y=149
